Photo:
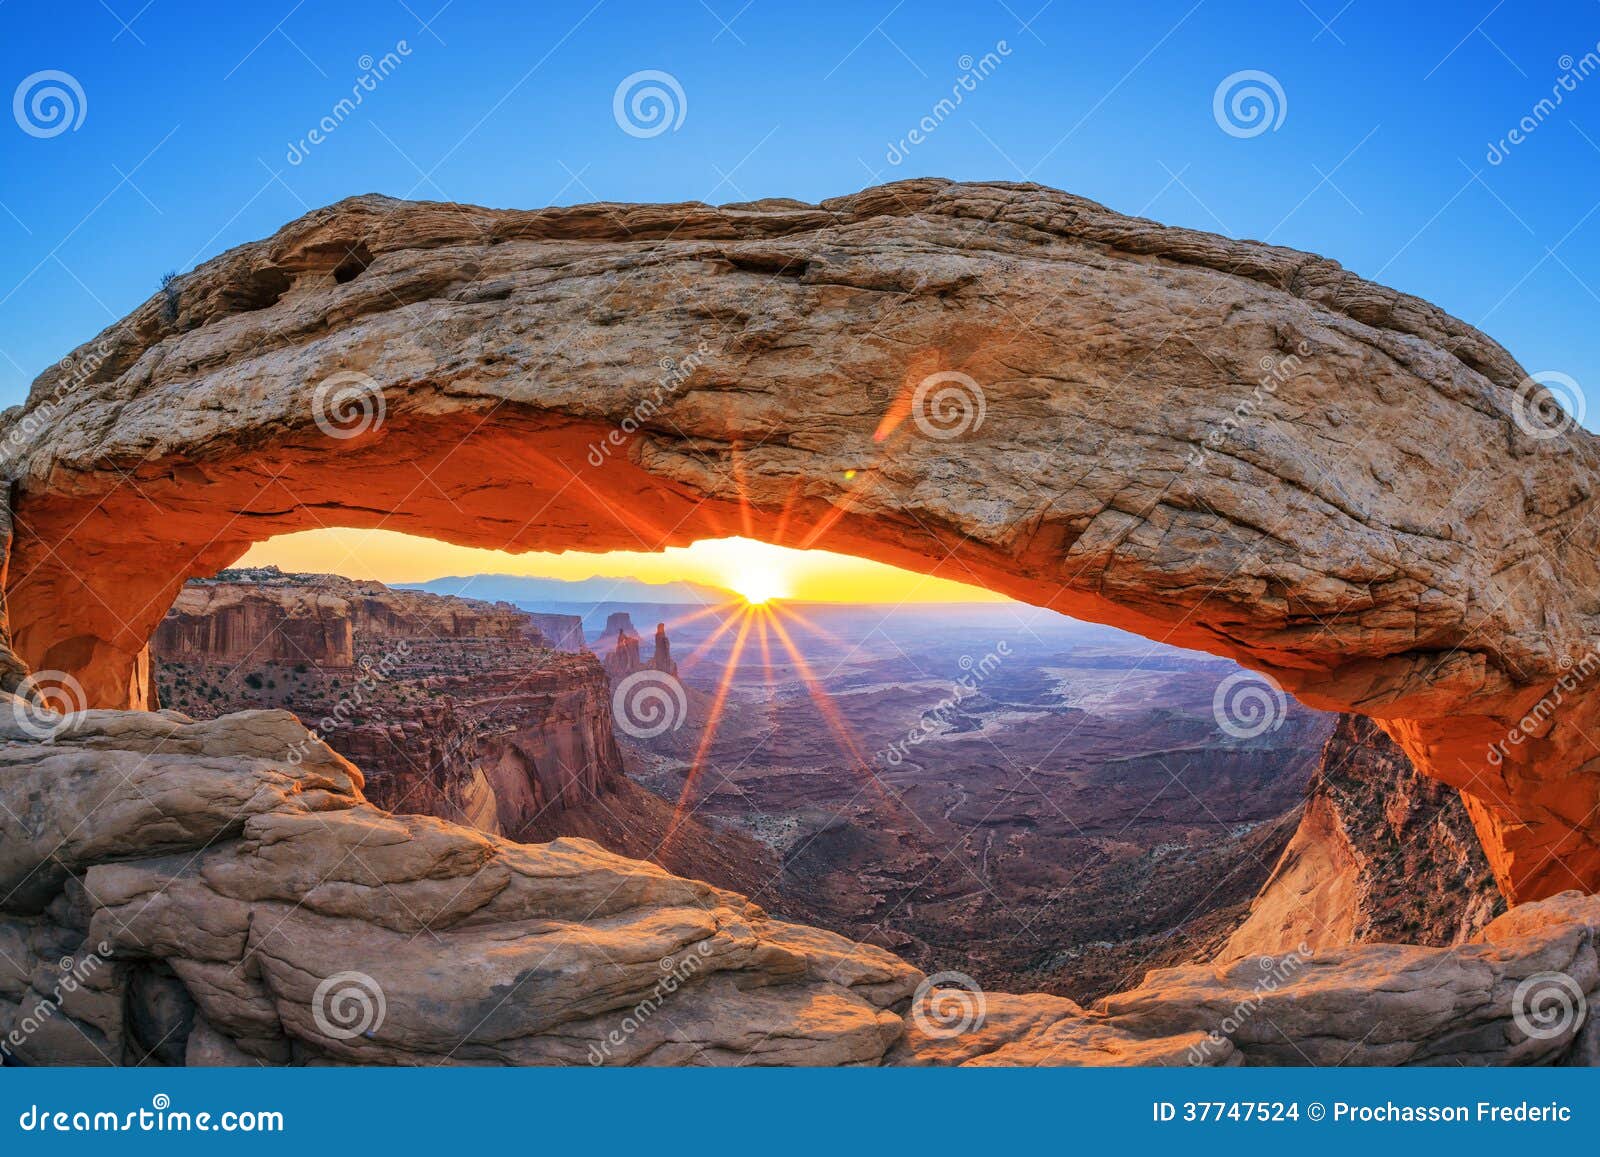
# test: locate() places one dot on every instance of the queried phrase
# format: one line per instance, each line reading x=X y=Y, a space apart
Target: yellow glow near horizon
x=755 y=570
x=756 y=585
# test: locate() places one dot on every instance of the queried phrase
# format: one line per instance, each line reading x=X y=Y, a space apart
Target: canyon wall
x=1224 y=445
x=565 y=632
x=455 y=708
x=1381 y=855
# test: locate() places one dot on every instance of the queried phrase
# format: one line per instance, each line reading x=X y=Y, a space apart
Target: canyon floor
x=1039 y=803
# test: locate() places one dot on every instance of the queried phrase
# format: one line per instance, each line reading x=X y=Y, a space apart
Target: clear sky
x=195 y=119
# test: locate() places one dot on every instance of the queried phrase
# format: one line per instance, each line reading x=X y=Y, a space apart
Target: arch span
x=1228 y=446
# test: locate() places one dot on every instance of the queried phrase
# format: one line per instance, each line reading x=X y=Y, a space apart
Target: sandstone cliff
x=452 y=707
x=1381 y=854
x=626 y=657
x=565 y=632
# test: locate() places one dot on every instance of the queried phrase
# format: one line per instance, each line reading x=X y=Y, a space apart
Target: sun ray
x=713 y=721
x=812 y=626
x=693 y=658
x=826 y=522
x=831 y=716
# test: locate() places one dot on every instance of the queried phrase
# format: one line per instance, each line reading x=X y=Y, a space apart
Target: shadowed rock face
x=1380 y=854
x=1229 y=446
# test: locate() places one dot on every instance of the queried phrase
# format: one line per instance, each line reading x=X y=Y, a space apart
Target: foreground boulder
x=220 y=892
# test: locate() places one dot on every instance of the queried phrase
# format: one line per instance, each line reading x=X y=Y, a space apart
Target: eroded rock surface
x=180 y=891
x=1380 y=854
x=1226 y=445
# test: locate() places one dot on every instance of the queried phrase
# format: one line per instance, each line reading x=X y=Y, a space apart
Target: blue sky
x=1379 y=160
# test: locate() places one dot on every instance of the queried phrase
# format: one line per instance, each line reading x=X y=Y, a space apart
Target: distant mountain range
x=527 y=591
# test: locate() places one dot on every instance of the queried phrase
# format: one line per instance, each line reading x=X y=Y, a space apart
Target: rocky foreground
x=176 y=891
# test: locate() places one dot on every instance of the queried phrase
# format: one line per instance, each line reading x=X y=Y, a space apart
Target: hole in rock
x=354 y=264
x=971 y=782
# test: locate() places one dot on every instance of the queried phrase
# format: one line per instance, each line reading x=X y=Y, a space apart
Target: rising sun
x=757 y=585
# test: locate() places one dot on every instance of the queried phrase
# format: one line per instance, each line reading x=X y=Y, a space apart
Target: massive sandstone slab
x=214 y=901
x=1226 y=445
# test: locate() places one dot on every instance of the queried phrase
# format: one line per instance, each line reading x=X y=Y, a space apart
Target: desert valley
x=1041 y=804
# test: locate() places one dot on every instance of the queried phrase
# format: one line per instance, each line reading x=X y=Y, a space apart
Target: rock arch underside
x=1219 y=444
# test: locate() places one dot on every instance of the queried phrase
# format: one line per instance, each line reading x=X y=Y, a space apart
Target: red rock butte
x=1224 y=445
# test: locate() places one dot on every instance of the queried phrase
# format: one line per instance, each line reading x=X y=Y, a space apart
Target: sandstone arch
x=1376 y=531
